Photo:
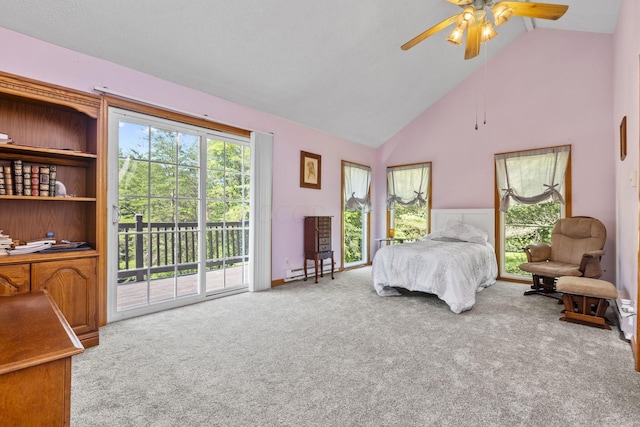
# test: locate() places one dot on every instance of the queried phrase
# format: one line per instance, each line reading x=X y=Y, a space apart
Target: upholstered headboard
x=481 y=218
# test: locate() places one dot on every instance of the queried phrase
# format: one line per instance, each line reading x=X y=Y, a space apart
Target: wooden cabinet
x=36 y=346
x=69 y=279
x=72 y=285
x=317 y=243
x=15 y=278
x=55 y=126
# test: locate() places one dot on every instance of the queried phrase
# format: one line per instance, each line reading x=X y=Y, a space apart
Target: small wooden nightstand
x=317 y=243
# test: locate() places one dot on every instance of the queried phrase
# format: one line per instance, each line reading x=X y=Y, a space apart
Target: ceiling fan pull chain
x=476 y=107
x=485 y=84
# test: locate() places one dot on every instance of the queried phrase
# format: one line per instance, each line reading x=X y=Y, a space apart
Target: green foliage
x=512 y=260
x=163 y=166
x=525 y=225
x=410 y=222
x=159 y=178
x=353 y=235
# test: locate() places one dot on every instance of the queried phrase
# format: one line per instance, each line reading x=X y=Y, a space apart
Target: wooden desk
x=36 y=345
x=389 y=241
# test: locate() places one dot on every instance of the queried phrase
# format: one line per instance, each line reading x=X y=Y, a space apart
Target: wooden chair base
x=584 y=310
x=545 y=286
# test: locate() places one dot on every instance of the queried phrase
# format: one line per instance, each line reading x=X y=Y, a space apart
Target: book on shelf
x=17 y=177
x=8 y=180
x=5 y=239
x=36 y=242
x=29 y=249
x=35 y=180
x=44 y=181
x=32 y=246
x=52 y=180
x=5 y=138
x=26 y=179
x=5 y=243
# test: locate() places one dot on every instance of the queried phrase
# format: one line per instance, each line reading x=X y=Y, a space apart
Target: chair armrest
x=537 y=253
x=593 y=254
x=590 y=263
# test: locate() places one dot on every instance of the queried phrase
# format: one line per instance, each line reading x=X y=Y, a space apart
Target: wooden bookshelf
x=51 y=125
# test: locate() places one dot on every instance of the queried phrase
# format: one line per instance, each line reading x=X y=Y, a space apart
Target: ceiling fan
x=474 y=18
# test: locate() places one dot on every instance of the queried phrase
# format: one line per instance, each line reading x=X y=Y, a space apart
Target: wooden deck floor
x=134 y=294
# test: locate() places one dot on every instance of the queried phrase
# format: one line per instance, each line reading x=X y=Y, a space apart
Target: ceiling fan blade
x=420 y=37
x=461 y=2
x=537 y=10
x=473 y=41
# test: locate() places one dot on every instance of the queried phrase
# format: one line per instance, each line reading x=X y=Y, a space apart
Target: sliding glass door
x=180 y=213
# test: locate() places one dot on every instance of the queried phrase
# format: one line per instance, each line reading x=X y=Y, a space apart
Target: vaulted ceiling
x=333 y=65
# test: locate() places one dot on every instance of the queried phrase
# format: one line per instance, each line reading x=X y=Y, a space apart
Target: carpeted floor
x=336 y=354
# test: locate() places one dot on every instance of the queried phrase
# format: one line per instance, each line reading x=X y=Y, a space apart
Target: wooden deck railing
x=158 y=247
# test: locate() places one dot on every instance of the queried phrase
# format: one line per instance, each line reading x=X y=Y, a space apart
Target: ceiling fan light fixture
x=478 y=18
x=488 y=32
x=501 y=13
x=468 y=15
x=456 y=35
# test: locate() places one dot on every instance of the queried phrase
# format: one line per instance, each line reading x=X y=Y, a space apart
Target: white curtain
x=260 y=216
x=533 y=176
x=357 y=180
x=408 y=185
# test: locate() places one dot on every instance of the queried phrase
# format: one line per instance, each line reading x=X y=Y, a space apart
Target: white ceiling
x=333 y=65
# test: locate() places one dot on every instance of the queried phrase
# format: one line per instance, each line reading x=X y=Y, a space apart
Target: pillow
x=464 y=232
x=438 y=236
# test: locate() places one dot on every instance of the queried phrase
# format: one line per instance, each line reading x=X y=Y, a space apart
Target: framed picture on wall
x=310 y=170
x=623 y=138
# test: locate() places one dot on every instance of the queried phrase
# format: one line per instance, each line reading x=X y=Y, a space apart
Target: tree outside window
x=408 y=200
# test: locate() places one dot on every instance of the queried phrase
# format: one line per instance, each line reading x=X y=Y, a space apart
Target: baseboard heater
x=298 y=273
x=625 y=312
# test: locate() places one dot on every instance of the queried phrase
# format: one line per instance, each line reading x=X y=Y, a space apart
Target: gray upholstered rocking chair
x=576 y=250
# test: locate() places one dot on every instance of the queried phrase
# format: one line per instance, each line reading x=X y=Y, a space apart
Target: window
x=356 y=183
x=408 y=200
x=533 y=190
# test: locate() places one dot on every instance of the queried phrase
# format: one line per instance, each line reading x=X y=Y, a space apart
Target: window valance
x=357 y=180
x=408 y=185
x=532 y=176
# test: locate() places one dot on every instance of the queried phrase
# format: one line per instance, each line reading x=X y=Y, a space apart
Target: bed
x=454 y=262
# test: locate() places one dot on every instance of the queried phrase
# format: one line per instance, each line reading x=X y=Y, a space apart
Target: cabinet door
x=72 y=285
x=14 y=279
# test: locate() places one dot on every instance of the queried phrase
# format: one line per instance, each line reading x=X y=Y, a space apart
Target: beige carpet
x=336 y=354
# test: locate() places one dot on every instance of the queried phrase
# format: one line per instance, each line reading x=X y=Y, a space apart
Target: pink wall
x=547 y=88
x=626 y=90
x=536 y=96
x=32 y=58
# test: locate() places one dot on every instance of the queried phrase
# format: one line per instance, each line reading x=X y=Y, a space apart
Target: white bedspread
x=454 y=271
